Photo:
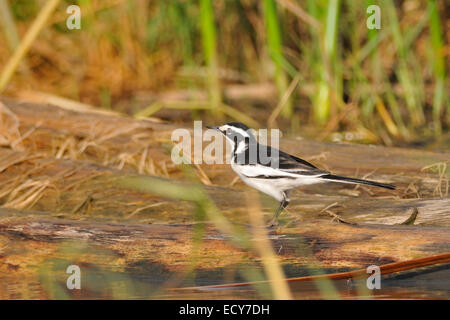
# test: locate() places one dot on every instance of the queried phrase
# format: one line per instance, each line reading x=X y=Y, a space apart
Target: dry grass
x=9 y=129
x=130 y=49
x=442 y=186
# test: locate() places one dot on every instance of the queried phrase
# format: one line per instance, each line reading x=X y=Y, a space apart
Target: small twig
x=202 y=175
x=232 y=183
x=338 y=218
x=300 y=13
x=145 y=207
x=85 y=204
x=411 y=219
x=414 y=189
x=334 y=215
x=329 y=207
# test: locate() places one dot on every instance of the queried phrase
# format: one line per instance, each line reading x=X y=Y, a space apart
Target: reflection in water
x=146 y=280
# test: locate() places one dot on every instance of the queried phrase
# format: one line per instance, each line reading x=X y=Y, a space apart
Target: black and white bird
x=281 y=173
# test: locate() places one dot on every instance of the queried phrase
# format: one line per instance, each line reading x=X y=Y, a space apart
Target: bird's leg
x=283 y=204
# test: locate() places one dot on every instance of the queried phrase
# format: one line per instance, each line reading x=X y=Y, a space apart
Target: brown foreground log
x=35 y=248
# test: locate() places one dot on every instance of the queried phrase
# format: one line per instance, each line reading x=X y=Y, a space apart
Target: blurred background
x=312 y=68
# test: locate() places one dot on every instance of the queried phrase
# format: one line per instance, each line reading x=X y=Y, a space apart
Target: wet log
x=36 y=250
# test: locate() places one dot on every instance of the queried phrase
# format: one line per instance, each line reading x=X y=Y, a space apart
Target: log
x=35 y=247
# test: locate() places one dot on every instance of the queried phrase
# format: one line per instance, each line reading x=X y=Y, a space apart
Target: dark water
x=153 y=281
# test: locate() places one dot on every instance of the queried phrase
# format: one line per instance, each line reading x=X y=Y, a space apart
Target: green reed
x=209 y=41
x=438 y=62
x=275 y=48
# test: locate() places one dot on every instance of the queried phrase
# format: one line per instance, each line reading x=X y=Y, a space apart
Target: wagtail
x=273 y=171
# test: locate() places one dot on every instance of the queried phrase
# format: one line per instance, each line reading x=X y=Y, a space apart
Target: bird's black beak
x=213 y=127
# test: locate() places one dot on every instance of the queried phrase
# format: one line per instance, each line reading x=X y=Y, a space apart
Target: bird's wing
x=278 y=164
x=292 y=164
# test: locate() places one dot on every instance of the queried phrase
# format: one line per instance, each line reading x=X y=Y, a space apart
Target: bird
x=278 y=173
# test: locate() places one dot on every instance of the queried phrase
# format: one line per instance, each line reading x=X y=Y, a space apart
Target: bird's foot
x=273 y=224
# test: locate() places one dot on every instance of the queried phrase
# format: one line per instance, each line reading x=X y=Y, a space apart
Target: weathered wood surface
x=62 y=205
x=33 y=244
x=84 y=190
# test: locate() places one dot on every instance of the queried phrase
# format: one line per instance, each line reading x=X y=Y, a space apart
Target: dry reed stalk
x=300 y=13
x=145 y=207
x=287 y=94
x=63 y=103
x=441 y=169
x=32 y=192
x=262 y=245
x=386 y=117
x=15 y=158
x=25 y=44
x=202 y=175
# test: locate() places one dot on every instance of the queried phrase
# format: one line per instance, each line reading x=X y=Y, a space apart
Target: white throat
x=241 y=147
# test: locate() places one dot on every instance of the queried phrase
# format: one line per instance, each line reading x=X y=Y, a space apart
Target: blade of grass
x=330 y=76
x=196 y=105
x=438 y=63
x=403 y=72
x=261 y=243
x=379 y=80
x=273 y=116
x=11 y=32
x=209 y=41
x=384 y=114
x=274 y=45
x=331 y=27
x=9 y=26
x=25 y=44
x=300 y=13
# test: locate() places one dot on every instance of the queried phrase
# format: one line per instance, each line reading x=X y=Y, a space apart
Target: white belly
x=265 y=187
x=275 y=187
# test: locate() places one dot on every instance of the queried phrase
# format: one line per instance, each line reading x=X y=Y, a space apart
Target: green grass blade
x=403 y=72
x=9 y=26
x=330 y=74
x=274 y=45
x=209 y=41
x=438 y=64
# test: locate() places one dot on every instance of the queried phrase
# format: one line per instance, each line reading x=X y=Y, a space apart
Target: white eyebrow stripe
x=237 y=130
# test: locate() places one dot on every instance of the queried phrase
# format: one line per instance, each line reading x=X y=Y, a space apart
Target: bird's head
x=237 y=133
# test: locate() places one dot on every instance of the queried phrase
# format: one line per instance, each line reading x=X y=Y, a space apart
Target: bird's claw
x=272 y=224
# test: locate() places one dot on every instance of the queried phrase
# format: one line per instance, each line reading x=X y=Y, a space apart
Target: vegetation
x=386 y=85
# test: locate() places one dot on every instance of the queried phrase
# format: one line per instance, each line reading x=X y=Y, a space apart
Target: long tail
x=332 y=177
